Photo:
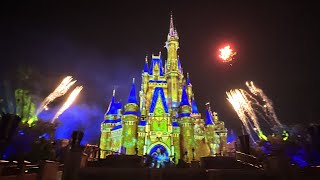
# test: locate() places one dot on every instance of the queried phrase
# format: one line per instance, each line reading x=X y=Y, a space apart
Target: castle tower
x=144 y=88
x=202 y=148
x=221 y=132
x=210 y=131
x=186 y=126
x=173 y=73
x=111 y=120
x=130 y=119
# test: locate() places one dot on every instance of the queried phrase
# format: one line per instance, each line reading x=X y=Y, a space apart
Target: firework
x=268 y=105
x=247 y=108
x=68 y=102
x=63 y=88
x=226 y=54
x=244 y=110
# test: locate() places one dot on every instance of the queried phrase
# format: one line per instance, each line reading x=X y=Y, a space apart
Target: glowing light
x=68 y=102
x=63 y=88
x=285 y=135
x=226 y=54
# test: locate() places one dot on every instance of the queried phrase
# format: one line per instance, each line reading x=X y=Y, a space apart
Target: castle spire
x=188 y=79
x=209 y=118
x=179 y=64
x=184 y=98
x=172 y=30
x=146 y=68
x=194 y=107
x=132 y=96
x=112 y=109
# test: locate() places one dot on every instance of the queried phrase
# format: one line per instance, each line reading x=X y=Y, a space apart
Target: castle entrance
x=160 y=154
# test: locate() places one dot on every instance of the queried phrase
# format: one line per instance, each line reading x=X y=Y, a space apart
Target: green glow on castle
x=164 y=117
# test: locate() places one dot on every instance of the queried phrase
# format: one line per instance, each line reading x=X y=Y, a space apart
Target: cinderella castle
x=163 y=121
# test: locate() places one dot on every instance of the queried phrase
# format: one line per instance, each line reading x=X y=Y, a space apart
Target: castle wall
x=186 y=138
x=141 y=140
x=129 y=134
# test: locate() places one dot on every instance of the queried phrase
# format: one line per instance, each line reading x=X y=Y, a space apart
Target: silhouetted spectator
x=182 y=164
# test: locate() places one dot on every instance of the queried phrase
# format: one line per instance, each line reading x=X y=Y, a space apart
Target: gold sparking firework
x=68 y=102
x=244 y=110
x=247 y=108
x=267 y=107
x=62 y=88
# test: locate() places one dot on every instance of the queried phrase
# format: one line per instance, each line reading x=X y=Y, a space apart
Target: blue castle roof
x=133 y=113
x=132 y=96
x=117 y=127
x=118 y=105
x=179 y=65
x=156 y=60
x=113 y=107
x=209 y=117
x=142 y=123
x=145 y=68
x=184 y=115
x=184 y=98
x=194 y=107
x=112 y=121
x=158 y=91
x=175 y=124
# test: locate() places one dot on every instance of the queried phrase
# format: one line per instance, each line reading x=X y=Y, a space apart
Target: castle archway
x=159 y=151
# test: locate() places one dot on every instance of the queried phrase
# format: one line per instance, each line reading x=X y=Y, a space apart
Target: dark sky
x=103 y=45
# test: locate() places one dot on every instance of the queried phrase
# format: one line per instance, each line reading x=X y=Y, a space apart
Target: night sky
x=103 y=45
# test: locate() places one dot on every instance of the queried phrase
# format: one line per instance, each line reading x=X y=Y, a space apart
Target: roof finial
x=171 y=29
x=159 y=53
x=114 y=91
x=132 y=80
x=146 y=59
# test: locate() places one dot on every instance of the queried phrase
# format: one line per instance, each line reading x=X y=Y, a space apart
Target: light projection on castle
x=162 y=119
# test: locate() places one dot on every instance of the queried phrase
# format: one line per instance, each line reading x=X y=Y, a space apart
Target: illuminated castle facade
x=164 y=121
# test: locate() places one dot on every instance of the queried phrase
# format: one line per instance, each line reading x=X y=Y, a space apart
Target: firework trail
x=244 y=110
x=247 y=108
x=68 y=102
x=63 y=87
x=268 y=106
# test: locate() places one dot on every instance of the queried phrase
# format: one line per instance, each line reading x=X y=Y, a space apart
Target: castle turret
x=211 y=135
x=144 y=88
x=186 y=125
x=194 y=109
x=130 y=119
x=111 y=120
x=142 y=144
x=173 y=73
x=221 y=132
x=156 y=67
